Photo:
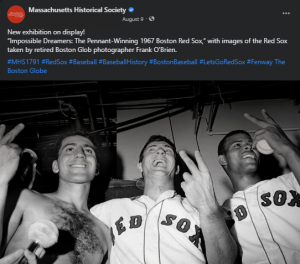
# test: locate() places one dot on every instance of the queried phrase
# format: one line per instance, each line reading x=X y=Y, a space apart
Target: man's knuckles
x=9 y=153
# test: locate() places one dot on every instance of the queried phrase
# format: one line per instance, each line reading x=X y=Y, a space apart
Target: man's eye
x=151 y=149
x=69 y=149
x=237 y=145
x=168 y=150
x=89 y=151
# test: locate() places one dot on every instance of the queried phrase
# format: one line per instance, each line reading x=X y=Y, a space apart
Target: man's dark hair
x=82 y=133
x=159 y=138
x=221 y=147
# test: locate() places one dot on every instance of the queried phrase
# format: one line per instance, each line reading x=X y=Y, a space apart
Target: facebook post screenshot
x=149 y=132
x=154 y=40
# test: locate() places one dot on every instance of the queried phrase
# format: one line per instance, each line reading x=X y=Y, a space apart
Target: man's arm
x=198 y=188
x=278 y=141
x=14 y=258
x=9 y=160
x=11 y=210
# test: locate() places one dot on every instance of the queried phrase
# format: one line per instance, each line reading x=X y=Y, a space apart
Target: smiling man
x=161 y=226
x=239 y=160
x=266 y=212
x=82 y=237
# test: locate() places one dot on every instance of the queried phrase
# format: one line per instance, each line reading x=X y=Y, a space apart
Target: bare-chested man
x=4 y=181
x=82 y=237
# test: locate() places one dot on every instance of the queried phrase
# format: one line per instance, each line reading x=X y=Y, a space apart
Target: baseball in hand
x=263 y=147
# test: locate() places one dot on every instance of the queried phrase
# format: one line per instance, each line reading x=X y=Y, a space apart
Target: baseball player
x=266 y=212
x=4 y=180
x=82 y=238
x=161 y=226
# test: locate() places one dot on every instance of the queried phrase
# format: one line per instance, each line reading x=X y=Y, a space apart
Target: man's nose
x=80 y=153
x=247 y=147
x=160 y=151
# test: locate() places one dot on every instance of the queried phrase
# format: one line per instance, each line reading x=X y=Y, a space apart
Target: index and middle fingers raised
x=269 y=121
x=191 y=165
x=10 y=136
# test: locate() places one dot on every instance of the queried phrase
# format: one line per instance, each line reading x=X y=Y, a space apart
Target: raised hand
x=271 y=132
x=10 y=136
x=198 y=186
x=9 y=153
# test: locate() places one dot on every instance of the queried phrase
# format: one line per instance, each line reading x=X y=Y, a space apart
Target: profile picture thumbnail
x=15 y=14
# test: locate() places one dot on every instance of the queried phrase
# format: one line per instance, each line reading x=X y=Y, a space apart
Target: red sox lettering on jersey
x=267 y=224
x=164 y=231
x=279 y=199
x=183 y=225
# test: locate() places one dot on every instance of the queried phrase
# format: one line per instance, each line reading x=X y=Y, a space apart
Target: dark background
x=49 y=109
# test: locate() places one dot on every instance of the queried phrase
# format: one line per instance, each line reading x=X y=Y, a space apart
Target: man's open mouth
x=249 y=155
x=159 y=163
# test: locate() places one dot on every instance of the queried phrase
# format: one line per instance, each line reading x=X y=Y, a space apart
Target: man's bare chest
x=79 y=236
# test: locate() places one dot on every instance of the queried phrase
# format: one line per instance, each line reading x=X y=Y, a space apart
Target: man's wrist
x=209 y=211
x=212 y=218
x=3 y=183
x=290 y=151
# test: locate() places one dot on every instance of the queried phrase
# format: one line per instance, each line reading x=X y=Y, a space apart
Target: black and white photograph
x=149 y=172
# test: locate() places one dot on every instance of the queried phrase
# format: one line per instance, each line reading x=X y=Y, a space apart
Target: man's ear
x=55 y=166
x=139 y=167
x=177 y=169
x=97 y=170
x=222 y=160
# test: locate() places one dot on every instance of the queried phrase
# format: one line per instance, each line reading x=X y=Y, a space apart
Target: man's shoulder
x=24 y=196
x=112 y=202
x=288 y=180
x=289 y=175
x=114 y=205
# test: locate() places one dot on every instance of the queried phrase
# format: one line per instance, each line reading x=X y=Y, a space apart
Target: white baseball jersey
x=166 y=231
x=267 y=221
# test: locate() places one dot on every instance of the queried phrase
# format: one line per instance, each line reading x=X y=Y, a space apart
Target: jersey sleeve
x=290 y=180
x=294 y=181
x=102 y=212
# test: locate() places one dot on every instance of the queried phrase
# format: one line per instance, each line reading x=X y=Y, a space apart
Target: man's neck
x=242 y=181
x=154 y=188
x=74 y=194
